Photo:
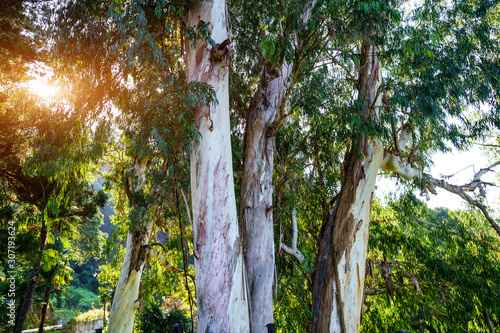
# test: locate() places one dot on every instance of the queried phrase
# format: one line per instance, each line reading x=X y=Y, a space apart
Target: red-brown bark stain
x=359 y=279
x=201 y=236
x=344 y=223
x=201 y=52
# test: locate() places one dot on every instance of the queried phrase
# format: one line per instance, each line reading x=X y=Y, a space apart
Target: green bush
x=153 y=320
x=74 y=301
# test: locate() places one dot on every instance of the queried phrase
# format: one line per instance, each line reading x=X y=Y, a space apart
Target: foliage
x=126 y=98
x=81 y=299
x=152 y=319
x=453 y=257
x=89 y=315
x=85 y=275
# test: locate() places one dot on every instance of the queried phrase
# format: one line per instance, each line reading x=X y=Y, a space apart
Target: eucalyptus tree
x=408 y=81
x=222 y=291
x=277 y=45
x=138 y=43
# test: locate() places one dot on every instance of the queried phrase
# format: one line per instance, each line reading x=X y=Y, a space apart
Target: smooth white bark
x=294 y=250
x=220 y=284
x=342 y=292
x=351 y=268
x=126 y=298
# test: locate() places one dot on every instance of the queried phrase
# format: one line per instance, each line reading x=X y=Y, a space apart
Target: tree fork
x=263 y=118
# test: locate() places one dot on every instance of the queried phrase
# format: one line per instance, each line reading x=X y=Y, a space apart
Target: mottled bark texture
x=256 y=216
x=220 y=278
x=340 y=268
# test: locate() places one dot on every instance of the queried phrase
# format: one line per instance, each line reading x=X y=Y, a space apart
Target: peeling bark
x=341 y=296
x=340 y=268
x=263 y=118
x=256 y=218
x=220 y=280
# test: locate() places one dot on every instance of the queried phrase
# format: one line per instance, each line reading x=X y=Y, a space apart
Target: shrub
x=153 y=320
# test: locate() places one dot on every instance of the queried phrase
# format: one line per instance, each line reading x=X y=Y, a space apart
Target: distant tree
x=430 y=268
x=28 y=170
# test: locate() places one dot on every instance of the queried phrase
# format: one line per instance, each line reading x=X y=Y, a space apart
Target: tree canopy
x=322 y=98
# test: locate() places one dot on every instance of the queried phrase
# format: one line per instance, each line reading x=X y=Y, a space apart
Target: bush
x=153 y=320
x=90 y=315
x=74 y=301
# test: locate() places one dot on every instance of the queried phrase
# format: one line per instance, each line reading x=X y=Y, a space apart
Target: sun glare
x=42 y=88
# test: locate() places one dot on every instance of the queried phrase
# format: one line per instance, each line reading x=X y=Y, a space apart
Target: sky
x=463 y=166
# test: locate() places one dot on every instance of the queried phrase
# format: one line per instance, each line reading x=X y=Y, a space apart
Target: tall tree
x=125 y=304
x=146 y=83
x=438 y=88
x=222 y=290
x=284 y=54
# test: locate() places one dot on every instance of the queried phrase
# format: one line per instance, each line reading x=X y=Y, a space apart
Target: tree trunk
x=256 y=217
x=340 y=268
x=126 y=299
x=46 y=300
x=263 y=118
x=341 y=295
x=30 y=290
x=220 y=278
x=487 y=319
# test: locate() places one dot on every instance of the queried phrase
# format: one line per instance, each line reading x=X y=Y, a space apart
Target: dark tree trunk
x=46 y=300
x=30 y=291
x=338 y=282
x=319 y=276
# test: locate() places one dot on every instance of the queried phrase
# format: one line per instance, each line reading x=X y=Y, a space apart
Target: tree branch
x=161 y=258
x=377 y=291
x=488 y=320
x=293 y=250
x=432 y=224
x=393 y=163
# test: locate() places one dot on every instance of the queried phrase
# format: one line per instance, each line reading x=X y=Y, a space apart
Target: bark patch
x=222 y=255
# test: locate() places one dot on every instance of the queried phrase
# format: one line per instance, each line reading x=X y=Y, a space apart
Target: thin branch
x=378 y=291
x=293 y=250
x=458 y=190
x=487 y=145
x=432 y=224
x=488 y=320
x=476 y=181
x=162 y=259
x=195 y=250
